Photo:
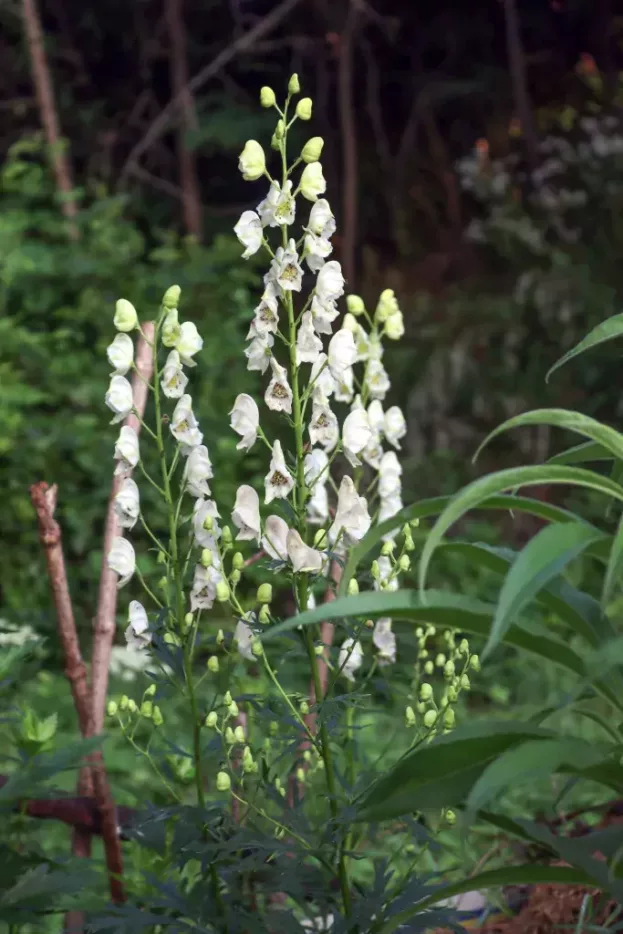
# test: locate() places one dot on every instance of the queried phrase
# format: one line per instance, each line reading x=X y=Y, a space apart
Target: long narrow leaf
x=612 y=576
x=582 y=454
x=605 y=331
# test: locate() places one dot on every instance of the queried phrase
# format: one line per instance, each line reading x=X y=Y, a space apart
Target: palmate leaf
x=605 y=331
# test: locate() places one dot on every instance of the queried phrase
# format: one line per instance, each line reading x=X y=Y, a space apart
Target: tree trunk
x=517 y=67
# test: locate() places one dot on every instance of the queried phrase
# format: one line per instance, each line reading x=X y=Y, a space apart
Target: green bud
x=239 y=734
x=423 y=653
x=212 y=664
x=449 y=669
x=376 y=572
x=465 y=683
x=307 y=756
x=426 y=691
x=235 y=577
x=404 y=563
x=440 y=661
x=208 y=523
x=188 y=621
x=430 y=718
x=111 y=708
x=450 y=817
x=171 y=329
x=474 y=663
x=267 y=97
x=294 y=86
x=319 y=650
x=151 y=690
x=222 y=592
x=163 y=583
x=220 y=637
x=227 y=699
x=304 y=108
x=410 y=716
x=464 y=647
x=419 y=632
x=162 y=558
x=388 y=549
x=452 y=694
x=147 y=709
x=429 y=668
x=132 y=706
x=320 y=538
x=223 y=782
x=273 y=728
x=264 y=593
x=157 y=716
x=230 y=739
x=257 y=648
x=443 y=703
x=207 y=558
x=237 y=561
x=125 y=318
x=304 y=707
x=448 y=718
x=312 y=150
x=353 y=587
x=232 y=709
x=420 y=707
x=355 y=305
x=227 y=536
x=211 y=720
x=124 y=703
x=300 y=775
x=264 y=615
x=171 y=298
x=414 y=523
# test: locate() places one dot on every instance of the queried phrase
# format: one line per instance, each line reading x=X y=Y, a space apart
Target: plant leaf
x=615 y=565
x=605 y=331
x=582 y=454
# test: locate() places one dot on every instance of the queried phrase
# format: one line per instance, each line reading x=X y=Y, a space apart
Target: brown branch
x=240 y=44
x=42 y=81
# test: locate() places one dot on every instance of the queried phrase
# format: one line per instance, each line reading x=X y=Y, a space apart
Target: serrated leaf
x=605 y=331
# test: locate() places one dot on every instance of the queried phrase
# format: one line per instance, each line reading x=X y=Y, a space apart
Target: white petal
x=303 y=558
x=245 y=420
x=274 y=540
x=278 y=481
x=246 y=514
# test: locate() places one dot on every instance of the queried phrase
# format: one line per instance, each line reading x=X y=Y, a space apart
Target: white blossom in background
x=127 y=504
x=385 y=641
x=356 y=435
x=122 y=560
x=274 y=540
x=198 y=471
x=377 y=379
x=330 y=282
x=394 y=426
x=390 y=473
x=243 y=636
x=302 y=557
x=345 y=386
x=188 y=343
x=342 y=353
x=119 y=398
x=279 y=483
x=205 y=526
x=258 y=353
x=321 y=220
x=352 y=518
x=323 y=314
x=320 y=378
x=245 y=420
x=137 y=634
x=184 y=425
x=246 y=514
x=249 y=232
x=174 y=380
x=126 y=450
x=278 y=395
x=121 y=354
x=350 y=658
x=323 y=426
x=308 y=344
x=203 y=591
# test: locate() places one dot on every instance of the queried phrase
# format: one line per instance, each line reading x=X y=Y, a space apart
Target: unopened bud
x=212 y=664
x=124 y=703
x=376 y=572
x=419 y=632
x=465 y=683
x=355 y=305
x=300 y=775
x=211 y=720
x=237 y=561
x=464 y=647
x=257 y=648
x=151 y=690
x=414 y=523
x=208 y=523
x=429 y=668
x=388 y=549
x=452 y=694
x=239 y=734
x=111 y=708
x=157 y=716
x=449 y=717
x=171 y=297
x=226 y=535
x=162 y=558
x=404 y=563
x=449 y=669
x=440 y=661
x=426 y=691
x=188 y=621
x=207 y=558
x=264 y=615
x=222 y=592
x=304 y=707
x=474 y=663
x=430 y=718
x=163 y=583
x=304 y=108
x=410 y=716
x=294 y=86
x=353 y=587
x=220 y=637
x=273 y=728
x=232 y=709
x=320 y=538
x=227 y=699
x=235 y=577
x=223 y=782
x=125 y=318
x=312 y=150
x=450 y=817
x=132 y=705
x=147 y=709
x=267 y=97
x=230 y=739
x=319 y=650
x=264 y=593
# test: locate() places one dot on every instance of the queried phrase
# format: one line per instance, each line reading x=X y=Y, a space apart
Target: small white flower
x=315 y=466
x=344 y=387
x=324 y=314
x=127 y=504
x=321 y=378
x=385 y=641
x=258 y=353
x=122 y=560
x=387 y=580
x=188 y=343
x=198 y=471
x=286 y=268
x=274 y=540
x=252 y=161
x=312 y=182
x=184 y=425
x=278 y=207
x=171 y=330
x=318 y=505
x=246 y=514
x=174 y=380
x=303 y=558
x=330 y=282
x=394 y=327
x=319 y=923
x=376 y=416
x=137 y=634
x=266 y=313
x=126 y=450
x=323 y=426
x=125 y=318
x=362 y=343
x=278 y=481
x=356 y=435
x=278 y=395
x=243 y=636
x=121 y=354
x=351 y=516
x=342 y=352
x=350 y=658
x=249 y=232
x=390 y=472
x=202 y=510
x=376 y=379
x=308 y=345
x=315 y=251
x=373 y=452
x=119 y=398
x=203 y=591
x=395 y=426
x=245 y=420
x=321 y=219
x=389 y=507
x=375 y=348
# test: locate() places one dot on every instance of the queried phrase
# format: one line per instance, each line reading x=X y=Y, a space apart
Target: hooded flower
x=330 y=282
x=323 y=314
x=344 y=386
x=246 y=514
x=188 y=343
x=119 y=398
x=198 y=471
x=389 y=507
x=174 y=380
x=321 y=220
x=323 y=425
x=122 y=560
x=320 y=378
x=315 y=251
x=390 y=472
x=127 y=504
x=303 y=558
x=126 y=450
x=203 y=591
x=121 y=354
x=243 y=636
x=245 y=420
x=387 y=580
x=356 y=435
x=184 y=425
x=308 y=345
x=125 y=318
x=258 y=353
x=249 y=232
x=278 y=395
x=171 y=329
x=278 y=207
x=376 y=379
x=351 y=516
x=385 y=641
x=266 y=313
x=286 y=268
x=312 y=182
x=350 y=658
x=318 y=505
x=206 y=509
x=342 y=352
x=376 y=416
x=278 y=481
x=137 y=634
x=394 y=426
x=274 y=540
x=252 y=161
x=315 y=466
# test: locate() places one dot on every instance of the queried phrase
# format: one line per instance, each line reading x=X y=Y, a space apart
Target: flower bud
x=223 y=782
x=151 y=690
x=163 y=583
x=239 y=734
x=450 y=817
x=273 y=728
x=294 y=86
x=312 y=150
x=376 y=573
x=235 y=577
x=443 y=703
x=312 y=183
x=227 y=536
x=230 y=739
x=171 y=297
x=426 y=691
x=449 y=669
x=429 y=668
x=222 y=592
x=452 y=694
x=464 y=647
x=211 y=720
x=267 y=97
x=409 y=543
x=111 y=708
x=388 y=549
x=125 y=318
x=387 y=306
x=212 y=664
x=237 y=561
x=264 y=615
x=252 y=161
x=247 y=756
x=430 y=718
x=355 y=305
x=307 y=756
x=132 y=706
x=449 y=718
x=171 y=330
x=423 y=653
x=257 y=648
x=207 y=558
x=320 y=538
x=394 y=327
x=124 y=703
x=264 y=593
x=157 y=716
x=353 y=587
x=474 y=663
x=162 y=558
x=464 y=682
x=304 y=108
x=187 y=622
x=319 y=650
x=440 y=661
x=420 y=707
x=227 y=698
x=404 y=563
x=208 y=523
x=232 y=709
x=300 y=775
x=147 y=709
x=220 y=637
x=351 y=324
x=304 y=708
x=410 y=716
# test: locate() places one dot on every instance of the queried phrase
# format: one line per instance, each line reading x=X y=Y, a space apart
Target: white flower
x=319 y=923
x=356 y=435
x=258 y=353
x=376 y=379
x=122 y=560
x=312 y=182
x=362 y=342
x=395 y=426
x=274 y=540
x=388 y=508
x=390 y=472
x=278 y=395
x=342 y=352
x=308 y=345
x=125 y=318
x=252 y=161
x=119 y=398
x=321 y=219
x=184 y=425
x=320 y=378
x=373 y=452
x=324 y=314
x=286 y=268
x=246 y=514
x=351 y=516
x=278 y=207
x=385 y=640
x=121 y=354
x=249 y=232
x=137 y=634
x=243 y=636
x=171 y=329
x=323 y=426
x=318 y=505
x=303 y=558
x=350 y=658
x=174 y=380
x=126 y=450
x=315 y=466
x=375 y=348
x=394 y=327
x=387 y=580
x=376 y=416
x=344 y=386
x=188 y=343
x=266 y=313
x=198 y=471
x=245 y=420
x=278 y=481
x=315 y=251
x=127 y=504
x=202 y=510
x=330 y=282
x=203 y=591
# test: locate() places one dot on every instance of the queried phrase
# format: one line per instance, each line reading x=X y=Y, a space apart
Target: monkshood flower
x=302 y=557
x=330 y=282
x=279 y=206
x=188 y=343
x=126 y=318
x=246 y=514
x=245 y=420
x=286 y=269
x=122 y=560
x=121 y=354
x=266 y=315
x=350 y=658
x=171 y=330
x=184 y=425
x=278 y=395
x=377 y=380
x=137 y=634
x=279 y=483
x=249 y=232
x=321 y=378
x=126 y=450
x=203 y=591
x=174 y=380
x=342 y=353
x=198 y=471
x=390 y=472
x=252 y=161
x=323 y=314
x=394 y=426
x=127 y=504
x=323 y=426
x=243 y=637
x=321 y=220
x=274 y=541
x=205 y=526
x=308 y=345
x=356 y=435
x=312 y=183
x=119 y=398
x=352 y=518
x=385 y=641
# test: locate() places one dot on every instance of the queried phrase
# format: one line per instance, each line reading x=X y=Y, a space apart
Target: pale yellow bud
x=312 y=150
x=157 y=717
x=222 y=592
x=304 y=108
x=111 y=708
x=232 y=709
x=239 y=734
x=212 y=664
x=426 y=691
x=207 y=558
x=237 y=561
x=235 y=577
x=410 y=716
x=125 y=318
x=223 y=782
x=430 y=718
x=211 y=720
x=264 y=593
x=353 y=587
x=252 y=161
x=171 y=298
x=294 y=86
x=151 y=690
x=267 y=97
x=355 y=305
